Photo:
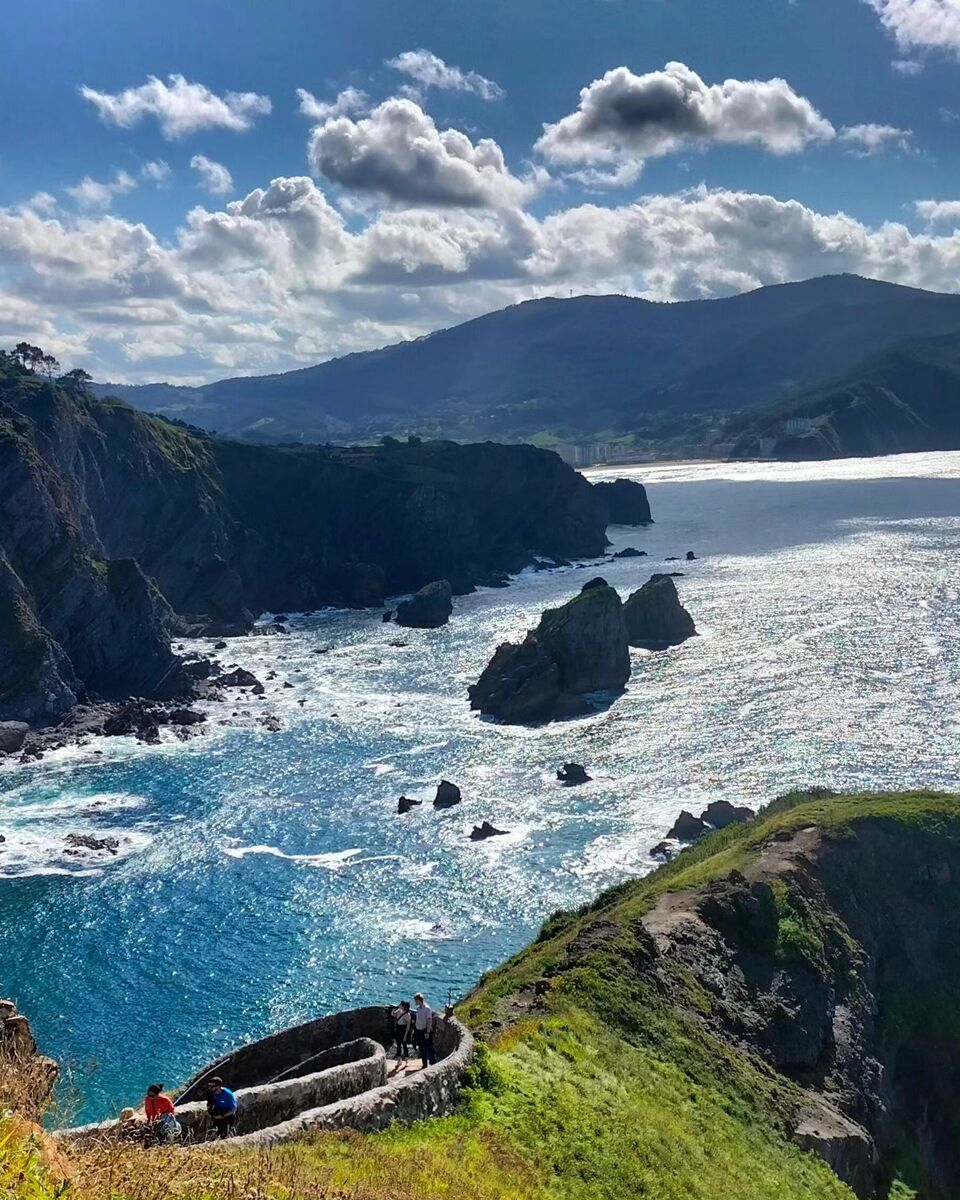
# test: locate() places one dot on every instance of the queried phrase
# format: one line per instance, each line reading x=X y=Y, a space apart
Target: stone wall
x=347 y=1070
x=432 y=1092
x=350 y=1090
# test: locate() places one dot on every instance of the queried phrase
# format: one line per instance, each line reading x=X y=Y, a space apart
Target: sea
x=263 y=878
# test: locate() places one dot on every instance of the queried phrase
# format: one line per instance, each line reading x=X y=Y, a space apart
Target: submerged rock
x=630 y=552
x=572 y=774
x=480 y=833
x=405 y=804
x=625 y=502
x=654 y=616
x=86 y=841
x=691 y=557
x=663 y=852
x=427 y=609
x=448 y=794
x=578 y=649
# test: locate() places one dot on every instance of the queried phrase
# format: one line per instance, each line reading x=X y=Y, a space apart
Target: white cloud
x=867 y=140
x=94 y=193
x=214 y=176
x=156 y=171
x=921 y=24
x=938 y=211
x=398 y=153
x=430 y=71
x=351 y=100
x=279 y=278
x=180 y=107
x=627 y=117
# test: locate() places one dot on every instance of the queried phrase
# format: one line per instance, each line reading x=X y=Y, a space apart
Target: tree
x=78 y=380
x=49 y=365
x=29 y=357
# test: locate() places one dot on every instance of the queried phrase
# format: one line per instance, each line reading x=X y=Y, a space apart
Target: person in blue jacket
x=222 y=1107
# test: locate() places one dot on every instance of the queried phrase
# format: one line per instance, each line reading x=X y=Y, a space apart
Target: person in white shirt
x=424 y=1021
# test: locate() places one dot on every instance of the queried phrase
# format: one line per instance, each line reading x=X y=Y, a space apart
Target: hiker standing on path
x=424 y=1022
x=402 y=1024
x=162 y=1123
x=222 y=1107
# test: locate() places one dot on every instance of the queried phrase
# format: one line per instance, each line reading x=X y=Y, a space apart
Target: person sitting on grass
x=222 y=1107
x=162 y=1124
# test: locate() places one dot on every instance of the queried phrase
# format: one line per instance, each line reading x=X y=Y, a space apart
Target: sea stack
x=654 y=616
x=578 y=649
x=625 y=502
x=427 y=609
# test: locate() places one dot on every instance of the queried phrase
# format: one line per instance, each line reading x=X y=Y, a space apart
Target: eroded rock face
x=655 y=617
x=429 y=608
x=625 y=502
x=578 y=649
x=26 y=1077
x=117 y=529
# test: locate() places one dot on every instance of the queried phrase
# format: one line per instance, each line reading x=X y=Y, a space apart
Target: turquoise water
x=266 y=878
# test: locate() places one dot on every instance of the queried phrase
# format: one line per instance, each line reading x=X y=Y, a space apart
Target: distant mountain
x=904 y=399
x=571 y=366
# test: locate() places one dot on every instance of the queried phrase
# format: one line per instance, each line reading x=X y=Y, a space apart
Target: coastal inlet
x=262 y=878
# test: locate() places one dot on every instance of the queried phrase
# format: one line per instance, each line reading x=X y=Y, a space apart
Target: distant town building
x=799 y=426
x=585 y=454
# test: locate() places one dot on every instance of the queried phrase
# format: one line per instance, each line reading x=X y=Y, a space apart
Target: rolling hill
x=901 y=400
x=572 y=366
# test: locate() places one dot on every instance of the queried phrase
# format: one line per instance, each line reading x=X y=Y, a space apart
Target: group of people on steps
x=416 y=1026
x=159 y=1124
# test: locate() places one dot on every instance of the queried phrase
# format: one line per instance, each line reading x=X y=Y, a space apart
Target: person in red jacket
x=162 y=1123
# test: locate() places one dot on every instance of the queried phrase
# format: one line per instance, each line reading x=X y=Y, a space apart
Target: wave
x=334 y=860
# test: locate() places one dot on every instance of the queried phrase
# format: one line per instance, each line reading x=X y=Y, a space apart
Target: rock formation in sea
x=572 y=774
x=118 y=528
x=576 y=650
x=625 y=502
x=485 y=830
x=448 y=795
x=429 y=608
x=654 y=616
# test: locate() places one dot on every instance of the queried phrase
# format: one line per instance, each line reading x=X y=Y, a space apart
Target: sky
x=200 y=188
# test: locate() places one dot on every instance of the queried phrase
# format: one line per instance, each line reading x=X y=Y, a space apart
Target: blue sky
x=446 y=162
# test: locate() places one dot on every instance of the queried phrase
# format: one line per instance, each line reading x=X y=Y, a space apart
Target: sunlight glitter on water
x=267 y=877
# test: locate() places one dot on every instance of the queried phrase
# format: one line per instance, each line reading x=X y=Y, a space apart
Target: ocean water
x=264 y=878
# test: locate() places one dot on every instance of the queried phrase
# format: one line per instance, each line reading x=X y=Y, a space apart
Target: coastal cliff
x=118 y=529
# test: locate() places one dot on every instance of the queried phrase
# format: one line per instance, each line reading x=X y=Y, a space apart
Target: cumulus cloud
x=624 y=116
x=95 y=193
x=867 y=140
x=398 y=153
x=921 y=24
x=430 y=71
x=938 y=211
x=179 y=106
x=214 y=176
x=351 y=100
x=278 y=278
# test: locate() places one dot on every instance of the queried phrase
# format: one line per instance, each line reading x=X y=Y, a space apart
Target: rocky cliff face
x=836 y=959
x=575 y=650
x=625 y=502
x=116 y=527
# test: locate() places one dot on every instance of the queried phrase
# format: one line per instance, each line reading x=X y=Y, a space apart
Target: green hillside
x=906 y=399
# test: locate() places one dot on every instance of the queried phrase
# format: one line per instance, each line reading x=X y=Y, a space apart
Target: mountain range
x=573 y=367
